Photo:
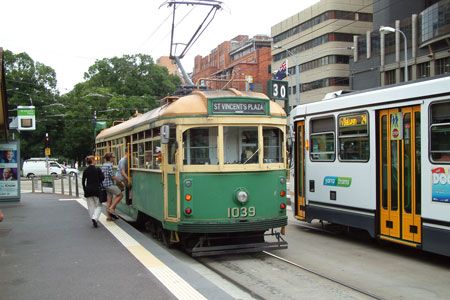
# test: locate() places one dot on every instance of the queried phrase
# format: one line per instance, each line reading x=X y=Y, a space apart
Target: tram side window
x=240 y=145
x=200 y=146
x=272 y=145
x=322 y=139
x=172 y=145
x=440 y=132
x=353 y=137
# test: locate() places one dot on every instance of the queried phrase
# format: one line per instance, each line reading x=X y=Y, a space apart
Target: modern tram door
x=300 y=171
x=399 y=173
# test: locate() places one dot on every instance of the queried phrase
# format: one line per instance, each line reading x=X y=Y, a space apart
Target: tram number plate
x=236 y=212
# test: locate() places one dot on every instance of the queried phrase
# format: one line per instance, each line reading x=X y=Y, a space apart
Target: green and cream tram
x=378 y=160
x=208 y=170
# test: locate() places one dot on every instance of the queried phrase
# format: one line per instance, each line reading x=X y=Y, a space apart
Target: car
x=71 y=171
x=41 y=166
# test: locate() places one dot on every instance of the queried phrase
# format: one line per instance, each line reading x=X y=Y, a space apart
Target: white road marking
x=174 y=283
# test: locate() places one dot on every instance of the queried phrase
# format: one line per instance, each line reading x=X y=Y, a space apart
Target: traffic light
x=47 y=140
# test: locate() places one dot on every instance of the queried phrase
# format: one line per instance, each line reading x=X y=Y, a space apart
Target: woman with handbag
x=92 y=180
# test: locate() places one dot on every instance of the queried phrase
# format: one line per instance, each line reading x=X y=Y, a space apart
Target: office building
x=380 y=58
x=319 y=40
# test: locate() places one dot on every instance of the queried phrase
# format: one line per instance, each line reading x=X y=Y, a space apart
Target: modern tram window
x=241 y=145
x=200 y=146
x=440 y=132
x=272 y=145
x=353 y=137
x=322 y=139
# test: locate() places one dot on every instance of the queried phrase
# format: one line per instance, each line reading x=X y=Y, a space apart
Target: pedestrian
x=92 y=178
x=113 y=191
x=2 y=216
x=122 y=172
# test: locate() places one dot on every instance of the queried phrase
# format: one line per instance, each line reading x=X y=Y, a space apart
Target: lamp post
x=297 y=73
x=387 y=29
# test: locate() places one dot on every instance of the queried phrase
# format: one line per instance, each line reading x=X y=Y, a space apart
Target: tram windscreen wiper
x=251 y=156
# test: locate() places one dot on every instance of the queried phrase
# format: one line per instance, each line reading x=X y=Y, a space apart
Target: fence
x=57 y=183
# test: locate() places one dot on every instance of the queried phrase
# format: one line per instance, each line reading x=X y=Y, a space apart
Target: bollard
x=77 y=193
x=53 y=184
x=62 y=185
x=70 y=186
x=32 y=185
x=42 y=186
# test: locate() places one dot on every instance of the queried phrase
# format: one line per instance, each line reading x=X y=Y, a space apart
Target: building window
x=330 y=37
x=321 y=83
x=434 y=21
x=442 y=66
x=389 y=77
x=332 y=14
x=402 y=74
x=423 y=70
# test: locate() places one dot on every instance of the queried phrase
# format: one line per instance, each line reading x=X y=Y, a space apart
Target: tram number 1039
x=236 y=212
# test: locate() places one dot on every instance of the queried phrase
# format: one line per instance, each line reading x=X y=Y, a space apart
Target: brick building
x=244 y=60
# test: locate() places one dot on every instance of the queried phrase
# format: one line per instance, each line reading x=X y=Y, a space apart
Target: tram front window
x=241 y=145
x=200 y=146
x=272 y=145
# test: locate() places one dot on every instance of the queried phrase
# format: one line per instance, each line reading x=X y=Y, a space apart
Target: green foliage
x=32 y=82
x=114 y=89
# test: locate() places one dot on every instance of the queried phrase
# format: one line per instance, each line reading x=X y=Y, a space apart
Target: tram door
x=300 y=171
x=400 y=173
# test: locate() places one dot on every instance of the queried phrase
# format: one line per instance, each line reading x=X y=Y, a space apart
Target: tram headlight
x=282 y=180
x=241 y=196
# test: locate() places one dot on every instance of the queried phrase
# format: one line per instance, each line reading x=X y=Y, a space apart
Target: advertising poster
x=9 y=171
x=441 y=184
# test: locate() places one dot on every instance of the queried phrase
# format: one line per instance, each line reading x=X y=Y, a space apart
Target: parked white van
x=38 y=166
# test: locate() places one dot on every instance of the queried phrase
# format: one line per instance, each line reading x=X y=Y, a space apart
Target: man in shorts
x=114 y=193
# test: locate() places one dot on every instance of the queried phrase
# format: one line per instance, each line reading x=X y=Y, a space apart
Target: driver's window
x=240 y=144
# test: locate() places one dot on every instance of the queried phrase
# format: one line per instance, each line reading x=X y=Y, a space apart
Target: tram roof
x=382 y=95
x=195 y=104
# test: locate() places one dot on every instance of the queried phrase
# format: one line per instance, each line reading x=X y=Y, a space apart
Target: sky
x=70 y=35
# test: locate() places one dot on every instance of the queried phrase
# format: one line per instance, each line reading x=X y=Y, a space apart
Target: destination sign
x=244 y=108
x=354 y=120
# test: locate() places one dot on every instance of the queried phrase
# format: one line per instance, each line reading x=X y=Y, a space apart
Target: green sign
x=47 y=180
x=26 y=119
x=238 y=106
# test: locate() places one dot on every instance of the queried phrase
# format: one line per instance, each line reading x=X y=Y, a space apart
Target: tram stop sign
x=277 y=89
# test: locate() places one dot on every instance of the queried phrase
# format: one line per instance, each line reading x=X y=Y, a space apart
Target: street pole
x=406 y=54
x=95 y=125
x=297 y=76
x=387 y=29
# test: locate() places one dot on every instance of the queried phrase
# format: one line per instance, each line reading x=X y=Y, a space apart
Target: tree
x=115 y=89
x=29 y=82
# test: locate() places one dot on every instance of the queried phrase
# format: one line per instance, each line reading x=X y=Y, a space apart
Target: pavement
x=50 y=250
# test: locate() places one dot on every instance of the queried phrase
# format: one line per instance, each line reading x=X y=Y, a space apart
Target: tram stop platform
x=50 y=250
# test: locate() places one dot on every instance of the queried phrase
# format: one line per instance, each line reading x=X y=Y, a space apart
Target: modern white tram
x=378 y=160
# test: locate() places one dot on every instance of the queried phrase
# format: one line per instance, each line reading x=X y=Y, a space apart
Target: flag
x=282 y=71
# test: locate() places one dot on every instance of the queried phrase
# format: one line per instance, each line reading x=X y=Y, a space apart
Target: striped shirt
x=108 y=172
